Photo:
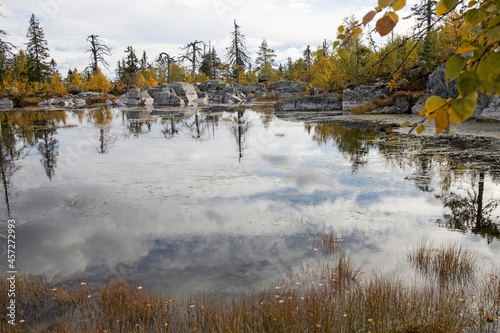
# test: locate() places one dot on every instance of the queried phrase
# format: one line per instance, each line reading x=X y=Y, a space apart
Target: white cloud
x=154 y=26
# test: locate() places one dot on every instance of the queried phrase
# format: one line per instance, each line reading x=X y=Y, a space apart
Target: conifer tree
x=37 y=51
x=192 y=53
x=237 y=54
x=211 y=64
x=265 y=59
x=98 y=50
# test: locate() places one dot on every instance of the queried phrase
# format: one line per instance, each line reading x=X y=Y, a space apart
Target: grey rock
x=12 y=91
x=211 y=85
x=146 y=99
x=134 y=93
x=250 y=96
x=168 y=99
x=362 y=94
x=324 y=102
x=492 y=112
x=74 y=90
x=184 y=90
x=436 y=84
x=6 y=104
x=285 y=95
x=415 y=72
x=401 y=105
x=232 y=99
x=288 y=86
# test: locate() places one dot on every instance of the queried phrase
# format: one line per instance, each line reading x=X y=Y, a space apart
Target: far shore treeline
x=29 y=69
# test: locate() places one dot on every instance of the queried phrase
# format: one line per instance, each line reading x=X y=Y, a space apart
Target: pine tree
x=37 y=51
x=98 y=50
x=237 y=54
x=265 y=59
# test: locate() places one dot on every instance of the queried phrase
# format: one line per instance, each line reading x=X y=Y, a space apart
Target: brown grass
x=448 y=261
x=336 y=298
x=328 y=242
x=373 y=105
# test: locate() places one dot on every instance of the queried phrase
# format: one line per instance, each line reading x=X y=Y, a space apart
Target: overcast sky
x=158 y=26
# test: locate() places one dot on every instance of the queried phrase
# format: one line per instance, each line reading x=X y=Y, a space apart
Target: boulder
x=401 y=105
x=285 y=95
x=492 y=112
x=134 y=93
x=184 y=90
x=146 y=99
x=6 y=104
x=49 y=102
x=436 y=85
x=168 y=99
x=74 y=90
x=324 y=102
x=12 y=91
x=292 y=87
x=211 y=86
x=232 y=99
x=415 y=73
x=363 y=94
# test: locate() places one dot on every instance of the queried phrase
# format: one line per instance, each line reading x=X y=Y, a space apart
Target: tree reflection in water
x=427 y=157
x=102 y=119
x=471 y=211
x=239 y=129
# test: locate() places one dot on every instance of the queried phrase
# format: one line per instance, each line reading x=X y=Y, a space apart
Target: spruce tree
x=265 y=59
x=237 y=54
x=37 y=52
x=211 y=64
x=5 y=54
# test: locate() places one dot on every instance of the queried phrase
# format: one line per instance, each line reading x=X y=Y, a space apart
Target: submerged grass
x=448 y=261
x=336 y=298
x=330 y=242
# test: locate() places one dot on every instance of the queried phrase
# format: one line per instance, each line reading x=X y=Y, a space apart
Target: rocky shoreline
x=288 y=96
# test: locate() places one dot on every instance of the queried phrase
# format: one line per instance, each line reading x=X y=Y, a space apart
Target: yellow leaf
x=398 y=4
x=462 y=109
x=393 y=17
x=385 y=3
x=464 y=49
x=368 y=17
x=433 y=103
x=420 y=129
x=492 y=37
x=442 y=120
x=385 y=25
x=340 y=29
x=357 y=31
x=441 y=8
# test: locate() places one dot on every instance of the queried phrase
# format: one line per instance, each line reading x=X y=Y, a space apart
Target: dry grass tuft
x=448 y=261
x=328 y=242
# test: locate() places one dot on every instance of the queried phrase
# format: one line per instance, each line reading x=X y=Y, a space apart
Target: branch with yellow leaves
x=479 y=73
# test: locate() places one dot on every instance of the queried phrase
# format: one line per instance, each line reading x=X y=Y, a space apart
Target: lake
x=188 y=200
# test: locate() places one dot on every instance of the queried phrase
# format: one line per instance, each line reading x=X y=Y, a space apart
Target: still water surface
x=190 y=201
